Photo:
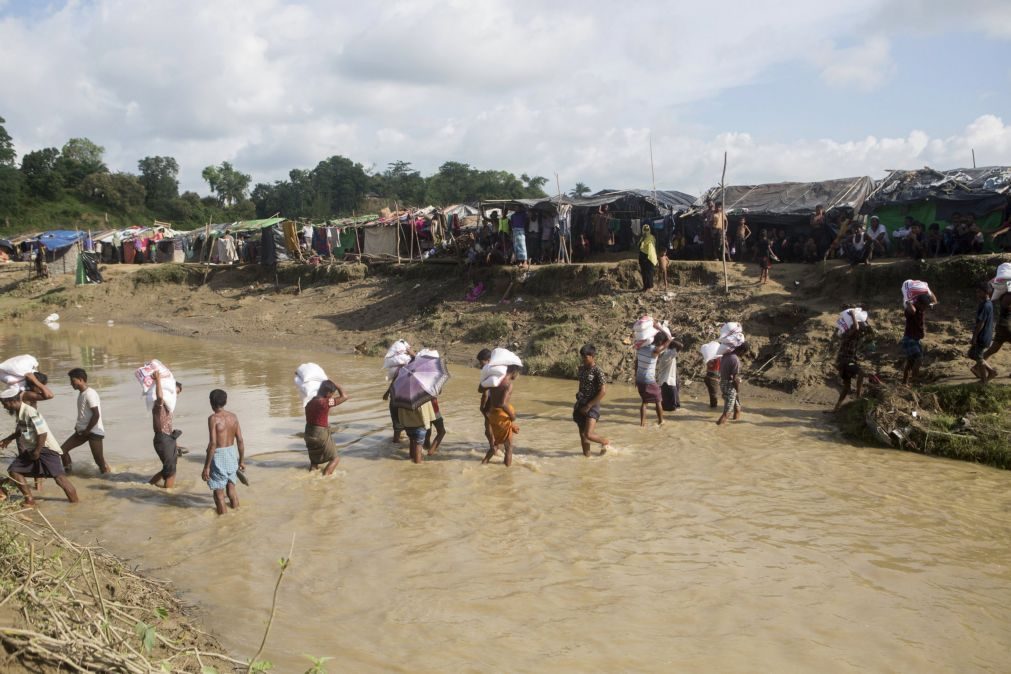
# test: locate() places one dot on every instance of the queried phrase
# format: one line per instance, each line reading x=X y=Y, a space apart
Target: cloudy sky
x=791 y=89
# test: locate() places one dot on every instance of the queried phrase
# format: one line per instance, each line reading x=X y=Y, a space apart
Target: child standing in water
x=226 y=452
x=502 y=415
x=592 y=389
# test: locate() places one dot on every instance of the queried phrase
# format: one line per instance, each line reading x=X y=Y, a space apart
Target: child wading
x=502 y=416
x=225 y=452
x=592 y=389
x=318 y=438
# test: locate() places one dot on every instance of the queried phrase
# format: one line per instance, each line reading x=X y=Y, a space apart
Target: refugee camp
x=504 y=337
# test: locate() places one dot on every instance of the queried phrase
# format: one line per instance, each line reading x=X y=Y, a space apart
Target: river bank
x=67 y=607
x=545 y=314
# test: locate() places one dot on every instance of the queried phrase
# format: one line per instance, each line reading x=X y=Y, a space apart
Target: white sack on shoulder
x=504 y=357
x=912 y=289
x=710 y=351
x=308 y=377
x=492 y=375
x=845 y=320
x=13 y=370
x=730 y=328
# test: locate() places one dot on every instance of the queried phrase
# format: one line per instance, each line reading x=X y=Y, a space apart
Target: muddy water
x=768 y=545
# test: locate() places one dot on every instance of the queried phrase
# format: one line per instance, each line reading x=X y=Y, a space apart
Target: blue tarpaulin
x=59 y=238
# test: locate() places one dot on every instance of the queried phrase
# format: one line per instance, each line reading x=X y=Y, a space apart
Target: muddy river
x=768 y=545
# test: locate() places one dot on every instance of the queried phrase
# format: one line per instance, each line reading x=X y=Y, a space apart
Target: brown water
x=765 y=546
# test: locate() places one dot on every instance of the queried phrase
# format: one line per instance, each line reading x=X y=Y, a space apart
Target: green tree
x=11 y=183
x=338 y=187
x=79 y=159
x=39 y=171
x=117 y=191
x=8 y=156
x=160 y=178
x=534 y=186
x=579 y=190
x=10 y=178
x=228 y=183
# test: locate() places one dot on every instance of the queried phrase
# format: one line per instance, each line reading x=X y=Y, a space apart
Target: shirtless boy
x=226 y=452
x=501 y=415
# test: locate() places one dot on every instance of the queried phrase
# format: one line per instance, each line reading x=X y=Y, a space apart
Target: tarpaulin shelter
x=62 y=249
x=928 y=195
x=788 y=204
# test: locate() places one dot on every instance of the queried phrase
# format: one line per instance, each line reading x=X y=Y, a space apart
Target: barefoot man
x=164 y=437
x=41 y=454
x=502 y=416
x=225 y=452
x=730 y=383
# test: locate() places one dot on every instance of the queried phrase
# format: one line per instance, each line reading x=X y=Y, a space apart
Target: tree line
x=336 y=187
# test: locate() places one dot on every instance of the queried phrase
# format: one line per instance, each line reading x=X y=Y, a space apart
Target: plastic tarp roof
x=671 y=199
x=796 y=199
x=4 y=243
x=59 y=238
x=988 y=184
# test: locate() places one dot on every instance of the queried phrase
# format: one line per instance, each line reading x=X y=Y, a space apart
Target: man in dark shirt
x=982 y=335
x=915 y=330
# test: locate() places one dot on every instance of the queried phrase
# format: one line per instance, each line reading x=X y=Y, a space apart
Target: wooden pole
x=652 y=172
x=974 y=157
x=726 y=221
x=396 y=216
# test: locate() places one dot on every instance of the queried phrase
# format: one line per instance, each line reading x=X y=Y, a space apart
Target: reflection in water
x=767 y=545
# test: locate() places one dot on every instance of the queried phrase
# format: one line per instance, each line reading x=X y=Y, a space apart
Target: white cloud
x=570 y=86
x=866 y=66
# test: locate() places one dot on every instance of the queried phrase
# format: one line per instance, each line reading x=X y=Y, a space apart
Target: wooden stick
x=726 y=223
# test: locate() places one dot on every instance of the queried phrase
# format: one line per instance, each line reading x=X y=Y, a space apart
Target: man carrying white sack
x=41 y=454
x=164 y=436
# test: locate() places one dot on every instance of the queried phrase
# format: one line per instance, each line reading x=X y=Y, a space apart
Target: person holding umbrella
x=318 y=438
x=417 y=384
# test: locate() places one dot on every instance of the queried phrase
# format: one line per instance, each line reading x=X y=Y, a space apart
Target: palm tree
x=579 y=190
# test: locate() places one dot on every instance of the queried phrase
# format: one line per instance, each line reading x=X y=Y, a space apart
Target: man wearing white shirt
x=89 y=427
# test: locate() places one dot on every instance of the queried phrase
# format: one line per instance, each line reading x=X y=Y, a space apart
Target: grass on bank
x=964 y=421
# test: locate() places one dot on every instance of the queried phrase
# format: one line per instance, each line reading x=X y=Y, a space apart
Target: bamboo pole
x=726 y=222
x=396 y=217
x=563 y=245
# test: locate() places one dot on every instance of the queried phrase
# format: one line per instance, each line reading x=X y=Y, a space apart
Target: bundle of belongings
x=308 y=377
x=494 y=372
x=148 y=389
